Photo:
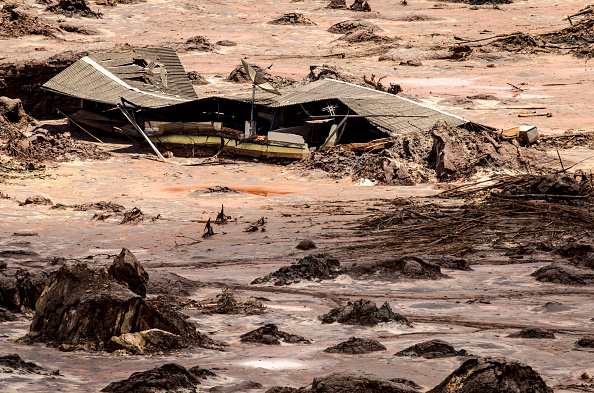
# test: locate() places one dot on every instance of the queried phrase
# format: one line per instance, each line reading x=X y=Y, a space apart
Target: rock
x=449 y=262
x=360 y=5
x=348 y=26
x=585 y=342
x=564 y=274
x=356 y=345
x=306 y=244
x=13 y=364
x=169 y=378
x=237 y=387
x=292 y=18
x=488 y=375
x=148 y=341
x=12 y=109
x=269 y=334
x=349 y=383
x=405 y=267
x=432 y=349
x=20 y=289
x=311 y=267
x=533 y=333
x=37 y=200
x=82 y=308
x=337 y=4
x=127 y=270
x=363 y=312
x=3 y=265
x=226 y=43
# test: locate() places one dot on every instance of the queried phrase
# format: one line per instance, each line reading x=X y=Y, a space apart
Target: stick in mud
x=208 y=231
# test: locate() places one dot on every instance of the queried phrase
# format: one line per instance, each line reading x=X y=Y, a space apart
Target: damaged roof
x=148 y=77
x=382 y=108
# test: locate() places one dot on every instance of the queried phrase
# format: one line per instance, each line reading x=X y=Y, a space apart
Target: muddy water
x=296 y=207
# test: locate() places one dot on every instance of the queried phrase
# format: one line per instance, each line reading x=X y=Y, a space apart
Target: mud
x=396 y=269
x=533 y=333
x=17 y=23
x=14 y=364
x=312 y=267
x=488 y=375
x=270 y=334
x=365 y=313
x=356 y=346
x=433 y=349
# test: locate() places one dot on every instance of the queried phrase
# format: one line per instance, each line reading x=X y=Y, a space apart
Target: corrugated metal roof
x=148 y=77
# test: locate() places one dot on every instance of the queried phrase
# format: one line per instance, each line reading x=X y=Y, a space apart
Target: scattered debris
x=433 y=349
x=356 y=346
x=337 y=4
x=17 y=23
x=306 y=244
x=169 y=377
x=70 y=28
x=394 y=269
x=227 y=303
x=269 y=334
x=488 y=375
x=310 y=267
x=133 y=216
x=196 y=78
x=533 y=333
x=13 y=364
x=258 y=225
x=73 y=8
x=239 y=75
x=292 y=18
x=319 y=72
x=365 y=313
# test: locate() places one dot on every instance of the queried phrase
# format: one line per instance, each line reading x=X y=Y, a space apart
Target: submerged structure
x=151 y=85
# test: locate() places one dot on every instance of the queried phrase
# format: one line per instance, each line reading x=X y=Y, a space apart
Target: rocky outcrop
x=82 y=308
x=20 y=289
x=349 y=383
x=311 y=267
x=487 y=375
x=14 y=364
x=270 y=334
x=401 y=268
x=356 y=346
x=127 y=270
x=169 y=378
x=432 y=349
x=363 y=312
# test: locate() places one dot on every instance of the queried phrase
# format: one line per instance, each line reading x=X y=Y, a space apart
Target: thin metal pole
x=137 y=127
x=80 y=127
x=253 y=106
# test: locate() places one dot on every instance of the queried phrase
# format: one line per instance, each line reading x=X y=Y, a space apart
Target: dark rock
x=37 y=200
x=237 y=387
x=306 y=244
x=432 y=349
x=13 y=364
x=227 y=303
x=585 y=342
x=169 y=378
x=449 y=262
x=128 y=271
x=360 y=5
x=82 y=308
x=533 y=333
x=6 y=316
x=348 y=26
x=405 y=267
x=356 y=345
x=363 y=312
x=564 y=274
x=292 y=18
x=349 y=383
x=199 y=43
x=3 y=265
x=575 y=249
x=311 y=267
x=226 y=43
x=269 y=334
x=73 y=8
x=337 y=4
x=196 y=78
x=20 y=289
x=487 y=375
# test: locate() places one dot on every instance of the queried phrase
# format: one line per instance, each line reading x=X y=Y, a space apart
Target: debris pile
x=365 y=35
x=487 y=375
x=319 y=72
x=17 y=23
x=349 y=26
x=433 y=349
x=270 y=334
x=395 y=269
x=73 y=8
x=337 y=4
x=198 y=43
x=169 y=377
x=85 y=308
x=533 y=333
x=196 y=78
x=355 y=383
x=227 y=303
x=363 y=312
x=14 y=364
x=310 y=267
x=136 y=216
x=240 y=76
x=292 y=18
x=356 y=346
x=585 y=342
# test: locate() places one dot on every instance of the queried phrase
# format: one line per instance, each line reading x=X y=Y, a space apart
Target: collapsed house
x=150 y=85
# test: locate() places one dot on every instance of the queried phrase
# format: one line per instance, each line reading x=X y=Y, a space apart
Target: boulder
x=356 y=346
x=310 y=267
x=127 y=270
x=363 y=312
x=306 y=244
x=585 y=342
x=432 y=349
x=349 y=383
x=82 y=308
x=169 y=378
x=488 y=375
x=270 y=334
